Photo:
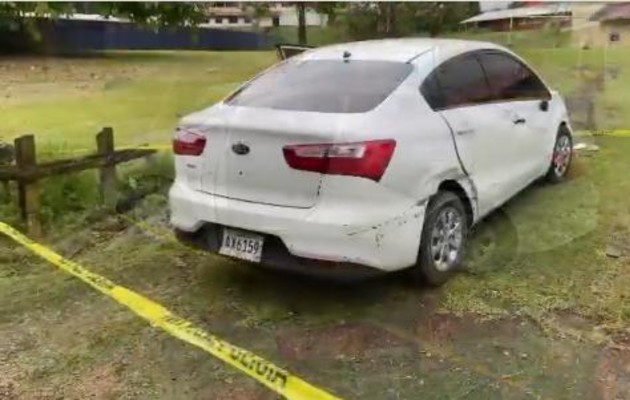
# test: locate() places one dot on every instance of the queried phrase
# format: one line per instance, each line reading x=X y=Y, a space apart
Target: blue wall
x=71 y=36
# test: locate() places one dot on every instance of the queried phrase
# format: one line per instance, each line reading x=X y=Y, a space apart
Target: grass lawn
x=141 y=94
x=541 y=311
x=536 y=315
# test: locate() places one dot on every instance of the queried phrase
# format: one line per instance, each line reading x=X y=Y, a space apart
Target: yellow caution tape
x=619 y=133
x=275 y=378
x=608 y=132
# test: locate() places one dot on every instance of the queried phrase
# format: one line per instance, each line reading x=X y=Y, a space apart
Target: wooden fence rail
x=27 y=172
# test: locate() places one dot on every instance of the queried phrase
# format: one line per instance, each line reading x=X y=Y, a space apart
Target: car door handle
x=519 y=121
x=465 y=131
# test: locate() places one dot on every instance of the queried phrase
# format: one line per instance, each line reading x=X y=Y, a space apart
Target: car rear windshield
x=327 y=86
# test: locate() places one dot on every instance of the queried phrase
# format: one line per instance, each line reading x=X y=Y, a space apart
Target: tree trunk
x=393 y=28
x=301 y=11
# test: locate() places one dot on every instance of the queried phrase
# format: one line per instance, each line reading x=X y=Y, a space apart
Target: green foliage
x=21 y=34
x=70 y=200
x=18 y=9
x=66 y=198
x=142 y=178
x=330 y=9
x=365 y=20
x=155 y=13
x=152 y=13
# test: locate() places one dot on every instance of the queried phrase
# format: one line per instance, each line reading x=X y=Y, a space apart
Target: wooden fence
x=27 y=172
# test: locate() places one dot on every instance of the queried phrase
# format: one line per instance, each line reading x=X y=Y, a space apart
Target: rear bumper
x=382 y=233
x=277 y=257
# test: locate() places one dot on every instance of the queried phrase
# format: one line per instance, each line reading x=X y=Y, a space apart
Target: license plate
x=243 y=245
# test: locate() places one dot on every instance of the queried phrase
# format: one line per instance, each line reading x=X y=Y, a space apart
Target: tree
x=372 y=20
x=328 y=8
x=151 y=13
x=19 y=32
x=256 y=11
x=301 y=14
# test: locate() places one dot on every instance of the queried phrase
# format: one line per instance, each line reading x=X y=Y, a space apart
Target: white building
x=241 y=15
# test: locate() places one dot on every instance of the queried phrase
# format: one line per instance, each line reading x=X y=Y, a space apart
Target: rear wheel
x=562 y=155
x=443 y=239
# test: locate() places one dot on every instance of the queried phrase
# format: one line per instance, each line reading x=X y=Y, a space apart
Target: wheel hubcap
x=446 y=238
x=562 y=155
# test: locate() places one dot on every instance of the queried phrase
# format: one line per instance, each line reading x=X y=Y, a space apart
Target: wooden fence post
x=107 y=173
x=28 y=189
x=7 y=156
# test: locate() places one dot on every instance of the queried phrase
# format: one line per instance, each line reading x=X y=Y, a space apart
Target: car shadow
x=493 y=245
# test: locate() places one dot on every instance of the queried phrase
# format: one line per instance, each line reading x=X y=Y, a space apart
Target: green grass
x=142 y=95
x=558 y=237
x=371 y=340
x=535 y=268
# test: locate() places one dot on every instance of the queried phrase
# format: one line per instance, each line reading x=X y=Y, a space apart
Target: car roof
x=401 y=50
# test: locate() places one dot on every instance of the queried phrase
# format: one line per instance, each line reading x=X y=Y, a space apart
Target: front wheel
x=562 y=155
x=443 y=239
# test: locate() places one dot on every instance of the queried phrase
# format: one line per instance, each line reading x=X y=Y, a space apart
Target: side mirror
x=544 y=105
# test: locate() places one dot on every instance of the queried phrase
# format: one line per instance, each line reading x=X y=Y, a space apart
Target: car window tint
x=510 y=79
x=431 y=91
x=328 y=86
x=458 y=82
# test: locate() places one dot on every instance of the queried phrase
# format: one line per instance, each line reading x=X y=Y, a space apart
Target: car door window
x=457 y=82
x=510 y=79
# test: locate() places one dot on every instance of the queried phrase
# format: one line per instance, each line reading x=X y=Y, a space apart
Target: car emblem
x=240 y=148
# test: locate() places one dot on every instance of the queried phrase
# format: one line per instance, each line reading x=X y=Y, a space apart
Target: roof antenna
x=346 y=56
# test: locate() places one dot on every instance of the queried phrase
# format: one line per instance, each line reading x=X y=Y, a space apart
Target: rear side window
x=327 y=86
x=510 y=79
x=458 y=82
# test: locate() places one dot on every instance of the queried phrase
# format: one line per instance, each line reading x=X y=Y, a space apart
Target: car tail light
x=364 y=159
x=188 y=143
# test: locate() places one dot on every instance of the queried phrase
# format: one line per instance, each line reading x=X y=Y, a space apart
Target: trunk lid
x=243 y=157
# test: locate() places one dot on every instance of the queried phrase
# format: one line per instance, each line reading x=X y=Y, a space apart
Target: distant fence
x=76 y=36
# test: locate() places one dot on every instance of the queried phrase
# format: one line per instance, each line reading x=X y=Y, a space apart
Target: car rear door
x=482 y=129
x=523 y=96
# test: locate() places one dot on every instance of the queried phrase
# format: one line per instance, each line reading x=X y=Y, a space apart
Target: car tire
x=442 y=246
x=562 y=156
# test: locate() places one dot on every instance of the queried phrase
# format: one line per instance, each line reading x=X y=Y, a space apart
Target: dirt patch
x=235 y=392
x=40 y=78
x=338 y=342
x=101 y=383
x=578 y=168
x=11 y=372
x=574 y=321
x=446 y=328
x=613 y=374
x=8 y=383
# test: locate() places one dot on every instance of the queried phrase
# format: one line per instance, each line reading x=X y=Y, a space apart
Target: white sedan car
x=368 y=156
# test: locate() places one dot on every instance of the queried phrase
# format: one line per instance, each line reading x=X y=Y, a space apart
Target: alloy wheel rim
x=446 y=238
x=562 y=155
